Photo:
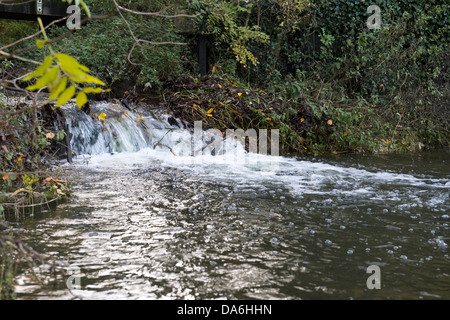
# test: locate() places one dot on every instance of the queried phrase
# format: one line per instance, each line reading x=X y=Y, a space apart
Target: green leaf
x=59 y=88
x=45 y=79
x=81 y=99
x=66 y=96
x=41 y=69
x=86 y=8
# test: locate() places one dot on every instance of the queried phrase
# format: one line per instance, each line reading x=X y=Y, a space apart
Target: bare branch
x=155 y=14
x=9 y=55
x=8 y=2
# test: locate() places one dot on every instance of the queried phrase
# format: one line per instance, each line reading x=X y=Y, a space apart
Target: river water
x=151 y=224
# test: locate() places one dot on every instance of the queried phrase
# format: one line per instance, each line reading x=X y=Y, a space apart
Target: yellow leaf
x=220 y=86
x=210 y=111
x=240 y=94
x=86 y=79
x=40 y=43
x=102 y=117
x=213 y=69
x=66 y=96
x=41 y=69
x=81 y=99
x=69 y=64
x=92 y=90
x=345 y=134
x=60 y=87
x=302 y=119
x=269 y=119
x=45 y=79
x=50 y=135
x=330 y=122
x=209 y=115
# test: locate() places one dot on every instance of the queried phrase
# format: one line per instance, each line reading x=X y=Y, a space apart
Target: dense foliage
x=351 y=88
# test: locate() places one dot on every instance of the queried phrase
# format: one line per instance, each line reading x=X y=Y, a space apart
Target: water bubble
x=312 y=232
x=328 y=242
x=328 y=220
x=367 y=249
x=445 y=216
x=390 y=252
x=274 y=241
x=395 y=247
x=275 y=253
x=410 y=229
x=432 y=232
x=342 y=227
x=403 y=257
x=282 y=203
x=291 y=224
x=213 y=263
x=350 y=251
x=385 y=210
x=256 y=227
x=429 y=258
x=282 y=197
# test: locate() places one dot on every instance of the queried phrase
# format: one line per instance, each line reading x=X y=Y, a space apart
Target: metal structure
x=48 y=10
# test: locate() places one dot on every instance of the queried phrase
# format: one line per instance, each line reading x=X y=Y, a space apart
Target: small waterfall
x=124 y=131
x=121 y=131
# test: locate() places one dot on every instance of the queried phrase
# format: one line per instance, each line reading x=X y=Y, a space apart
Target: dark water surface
x=147 y=225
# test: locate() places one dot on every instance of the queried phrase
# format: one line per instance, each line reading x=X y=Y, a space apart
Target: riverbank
x=311 y=118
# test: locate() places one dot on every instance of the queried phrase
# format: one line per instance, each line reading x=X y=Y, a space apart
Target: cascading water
x=149 y=220
x=121 y=131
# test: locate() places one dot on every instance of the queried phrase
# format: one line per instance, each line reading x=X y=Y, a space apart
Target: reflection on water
x=148 y=225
